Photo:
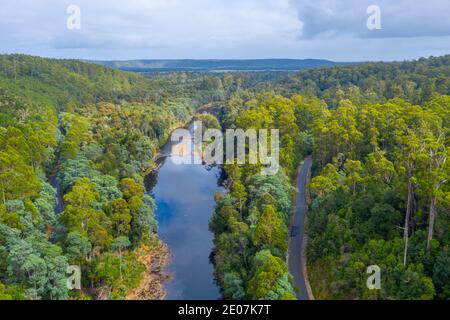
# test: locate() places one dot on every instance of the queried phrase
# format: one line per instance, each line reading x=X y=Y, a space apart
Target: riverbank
x=155 y=260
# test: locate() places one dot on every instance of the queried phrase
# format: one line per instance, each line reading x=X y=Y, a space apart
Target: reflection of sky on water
x=185 y=198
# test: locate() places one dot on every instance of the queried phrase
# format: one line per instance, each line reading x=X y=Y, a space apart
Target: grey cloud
x=400 y=18
x=133 y=29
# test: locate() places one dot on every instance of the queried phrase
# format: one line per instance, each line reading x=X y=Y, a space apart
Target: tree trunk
x=408 y=217
x=120 y=264
x=431 y=223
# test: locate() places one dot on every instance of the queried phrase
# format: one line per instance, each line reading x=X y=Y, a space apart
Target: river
x=184 y=197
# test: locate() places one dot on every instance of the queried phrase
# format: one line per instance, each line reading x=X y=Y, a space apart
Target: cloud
x=148 y=24
x=134 y=29
x=400 y=18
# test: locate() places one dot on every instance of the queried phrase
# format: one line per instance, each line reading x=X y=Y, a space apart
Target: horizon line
x=224 y=59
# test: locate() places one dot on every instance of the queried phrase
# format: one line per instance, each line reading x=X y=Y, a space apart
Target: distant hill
x=57 y=82
x=154 y=66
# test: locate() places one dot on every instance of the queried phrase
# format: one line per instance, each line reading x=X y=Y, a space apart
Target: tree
x=80 y=216
x=378 y=168
x=233 y=286
x=268 y=280
x=83 y=194
x=441 y=273
x=40 y=266
x=79 y=204
x=120 y=244
x=17 y=179
x=327 y=182
x=410 y=145
x=144 y=221
x=121 y=217
x=131 y=188
x=4 y=294
x=78 y=247
x=77 y=133
x=270 y=231
x=435 y=174
x=353 y=170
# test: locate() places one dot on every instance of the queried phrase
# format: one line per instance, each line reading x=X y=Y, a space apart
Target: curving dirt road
x=297 y=231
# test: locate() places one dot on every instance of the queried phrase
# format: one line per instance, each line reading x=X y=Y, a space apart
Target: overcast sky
x=228 y=29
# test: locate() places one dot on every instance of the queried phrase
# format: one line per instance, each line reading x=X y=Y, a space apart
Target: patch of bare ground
x=155 y=259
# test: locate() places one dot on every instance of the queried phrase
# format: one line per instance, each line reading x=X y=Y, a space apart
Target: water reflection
x=184 y=195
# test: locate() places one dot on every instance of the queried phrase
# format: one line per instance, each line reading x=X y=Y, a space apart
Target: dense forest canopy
x=214 y=65
x=378 y=134
x=98 y=130
x=59 y=82
x=416 y=81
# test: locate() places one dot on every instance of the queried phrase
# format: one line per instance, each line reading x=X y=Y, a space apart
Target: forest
x=97 y=132
x=214 y=65
x=378 y=135
x=377 y=132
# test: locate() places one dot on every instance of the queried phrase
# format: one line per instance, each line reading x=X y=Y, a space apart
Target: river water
x=184 y=195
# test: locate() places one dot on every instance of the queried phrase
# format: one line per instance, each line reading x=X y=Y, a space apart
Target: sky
x=225 y=29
